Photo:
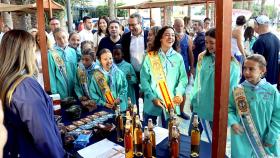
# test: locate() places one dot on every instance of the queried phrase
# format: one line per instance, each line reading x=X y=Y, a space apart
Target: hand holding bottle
x=110 y=106
x=117 y=101
x=237 y=129
x=177 y=100
x=158 y=102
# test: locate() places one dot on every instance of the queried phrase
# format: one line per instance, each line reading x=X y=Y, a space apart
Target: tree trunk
x=33 y=17
x=189 y=10
x=262 y=6
x=21 y=20
x=111 y=5
x=249 y=5
x=7 y=16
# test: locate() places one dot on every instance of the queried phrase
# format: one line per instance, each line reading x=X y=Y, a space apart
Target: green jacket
x=117 y=83
x=176 y=80
x=202 y=94
x=127 y=69
x=264 y=104
x=60 y=85
x=78 y=86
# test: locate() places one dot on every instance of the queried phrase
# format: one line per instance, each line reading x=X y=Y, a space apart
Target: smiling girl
x=259 y=107
x=109 y=86
x=202 y=95
x=163 y=77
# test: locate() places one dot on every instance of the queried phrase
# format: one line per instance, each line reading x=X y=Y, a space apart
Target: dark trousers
x=154 y=119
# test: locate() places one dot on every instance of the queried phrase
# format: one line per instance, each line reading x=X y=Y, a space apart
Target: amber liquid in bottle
x=152 y=136
x=128 y=117
x=128 y=141
x=195 y=138
x=138 y=138
x=147 y=144
x=175 y=143
x=119 y=123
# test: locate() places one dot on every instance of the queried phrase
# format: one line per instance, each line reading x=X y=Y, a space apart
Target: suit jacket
x=126 y=38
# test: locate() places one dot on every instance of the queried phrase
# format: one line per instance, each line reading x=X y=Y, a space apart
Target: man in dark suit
x=134 y=45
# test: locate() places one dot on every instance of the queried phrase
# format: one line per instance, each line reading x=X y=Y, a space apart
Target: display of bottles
x=147 y=144
x=152 y=136
x=119 y=124
x=129 y=106
x=175 y=143
x=195 y=138
x=128 y=140
x=138 y=137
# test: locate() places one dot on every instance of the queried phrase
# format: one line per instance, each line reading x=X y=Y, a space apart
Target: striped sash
x=159 y=75
x=61 y=67
x=104 y=87
x=248 y=123
x=83 y=79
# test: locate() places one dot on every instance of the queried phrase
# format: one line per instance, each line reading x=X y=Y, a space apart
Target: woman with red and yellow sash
x=109 y=86
x=163 y=77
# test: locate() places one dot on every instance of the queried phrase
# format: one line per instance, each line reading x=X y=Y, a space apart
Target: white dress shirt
x=86 y=35
x=137 y=51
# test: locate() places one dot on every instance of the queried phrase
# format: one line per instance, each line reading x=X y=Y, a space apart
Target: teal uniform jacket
x=176 y=80
x=118 y=86
x=202 y=95
x=58 y=84
x=127 y=69
x=78 y=86
x=264 y=104
x=78 y=52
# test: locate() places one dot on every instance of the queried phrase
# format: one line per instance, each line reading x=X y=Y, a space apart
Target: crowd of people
x=109 y=66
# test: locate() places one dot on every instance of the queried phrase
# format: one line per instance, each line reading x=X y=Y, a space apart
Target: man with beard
x=86 y=33
x=114 y=37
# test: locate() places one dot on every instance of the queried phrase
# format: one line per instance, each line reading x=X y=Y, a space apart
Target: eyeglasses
x=133 y=25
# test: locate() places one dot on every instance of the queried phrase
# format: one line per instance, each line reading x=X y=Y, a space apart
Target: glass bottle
x=129 y=106
x=175 y=143
x=128 y=140
x=119 y=124
x=147 y=144
x=138 y=137
x=128 y=117
x=134 y=115
x=152 y=136
x=170 y=124
x=195 y=138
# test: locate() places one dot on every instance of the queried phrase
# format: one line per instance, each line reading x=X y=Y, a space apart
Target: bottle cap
x=146 y=132
x=195 y=120
x=150 y=123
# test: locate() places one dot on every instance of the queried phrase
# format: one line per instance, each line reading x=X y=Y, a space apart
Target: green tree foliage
x=269 y=10
x=121 y=12
x=103 y=10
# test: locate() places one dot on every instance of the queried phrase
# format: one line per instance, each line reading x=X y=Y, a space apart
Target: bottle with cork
x=152 y=136
x=128 y=140
x=195 y=138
